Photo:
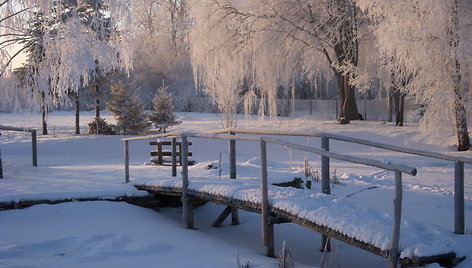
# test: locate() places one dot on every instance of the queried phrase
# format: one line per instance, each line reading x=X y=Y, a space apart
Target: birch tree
x=429 y=44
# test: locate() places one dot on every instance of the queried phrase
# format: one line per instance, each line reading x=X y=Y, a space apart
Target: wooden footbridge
x=354 y=224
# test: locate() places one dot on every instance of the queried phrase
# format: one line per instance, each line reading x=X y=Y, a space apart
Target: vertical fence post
x=325 y=187
x=232 y=157
x=1 y=168
x=159 y=152
x=232 y=175
x=459 y=221
x=267 y=230
x=186 y=207
x=126 y=162
x=180 y=152
x=34 y=147
x=174 y=156
x=397 y=207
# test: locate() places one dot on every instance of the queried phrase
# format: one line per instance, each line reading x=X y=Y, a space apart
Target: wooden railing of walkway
x=33 y=144
x=325 y=156
x=459 y=209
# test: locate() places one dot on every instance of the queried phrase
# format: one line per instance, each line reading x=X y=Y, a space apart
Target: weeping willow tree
x=244 y=49
x=67 y=45
x=428 y=44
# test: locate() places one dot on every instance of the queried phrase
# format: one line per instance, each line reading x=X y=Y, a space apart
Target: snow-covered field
x=98 y=234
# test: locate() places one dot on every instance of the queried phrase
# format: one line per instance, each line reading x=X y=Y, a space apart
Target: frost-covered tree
x=163 y=111
x=161 y=53
x=12 y=33
x=127 y=108
x=68 y=43
x=263 y=46
x=429 y=43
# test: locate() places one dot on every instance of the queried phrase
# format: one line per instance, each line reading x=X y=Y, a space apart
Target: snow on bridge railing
x=459 y=208
x=326 y=154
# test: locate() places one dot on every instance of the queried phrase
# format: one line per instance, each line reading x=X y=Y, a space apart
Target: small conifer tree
x=163 y=115
x=127 y=108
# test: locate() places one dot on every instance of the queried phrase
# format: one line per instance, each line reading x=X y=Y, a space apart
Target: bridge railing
x=325 y=154
x=459 y=209
x=33 y=144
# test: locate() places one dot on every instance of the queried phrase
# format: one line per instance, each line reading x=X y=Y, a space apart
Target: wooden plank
x=166 y=162
x=167 y=143
x=221 y=218
x=168 y=153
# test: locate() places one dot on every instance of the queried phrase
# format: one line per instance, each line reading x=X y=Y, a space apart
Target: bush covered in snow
x=100 y=126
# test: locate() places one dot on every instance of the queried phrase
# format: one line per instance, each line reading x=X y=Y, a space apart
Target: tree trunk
x=460 y=115
x=400 y=108
x=390 y=107
x=347 y=100
x=77 y=113
x=97 y=103
x=44 y=113
x=346 y=51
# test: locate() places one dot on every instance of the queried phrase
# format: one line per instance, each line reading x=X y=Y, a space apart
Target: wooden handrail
x=347 y=139
x=34 y=146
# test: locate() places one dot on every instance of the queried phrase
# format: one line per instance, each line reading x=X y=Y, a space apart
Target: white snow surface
x=97 y=234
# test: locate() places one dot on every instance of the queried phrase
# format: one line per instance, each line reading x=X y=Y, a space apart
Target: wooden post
x=459 y=222
x=186 y=207
x=222 y=217
x=267 y=231
x=159 y=153
x=174 y=156
x=397 y=206
x=34 y=147
x=180 y=152
x=232 y=175
x=1 y=167
x=232 y=158
x=325 y=188
x=77 y=113
x=270 y=250
x=126 y=162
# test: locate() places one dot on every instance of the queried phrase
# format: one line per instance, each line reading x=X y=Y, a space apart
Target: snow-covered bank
x=78 y=165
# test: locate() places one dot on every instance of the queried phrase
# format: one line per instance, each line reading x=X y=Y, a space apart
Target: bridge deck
x=336 y=217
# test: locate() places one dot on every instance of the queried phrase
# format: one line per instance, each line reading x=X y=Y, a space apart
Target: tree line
x=243 y=51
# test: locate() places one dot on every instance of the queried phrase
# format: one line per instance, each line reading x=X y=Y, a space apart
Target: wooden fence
x=33 y=144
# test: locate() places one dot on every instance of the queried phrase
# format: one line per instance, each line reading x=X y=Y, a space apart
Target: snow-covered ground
x=112 y=233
